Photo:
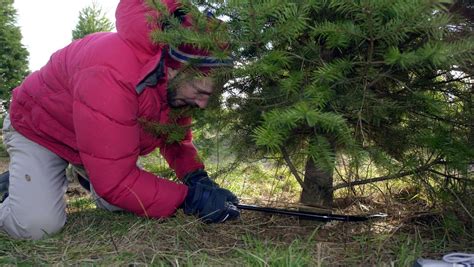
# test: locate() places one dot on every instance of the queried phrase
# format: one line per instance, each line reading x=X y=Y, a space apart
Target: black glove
x=199 y=176
x=211 y=204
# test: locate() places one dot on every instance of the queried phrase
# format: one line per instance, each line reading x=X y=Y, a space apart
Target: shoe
x=4 y=183
x=80 y=174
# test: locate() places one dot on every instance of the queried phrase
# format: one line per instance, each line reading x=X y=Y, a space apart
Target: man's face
x=188 y=91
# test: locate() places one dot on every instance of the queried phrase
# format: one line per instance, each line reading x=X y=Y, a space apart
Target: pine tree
x=91 y=19
x=324 y=84
x=13 y=55
x=321 y=82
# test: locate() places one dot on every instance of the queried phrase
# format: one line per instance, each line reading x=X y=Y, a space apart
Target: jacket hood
x=135 y=21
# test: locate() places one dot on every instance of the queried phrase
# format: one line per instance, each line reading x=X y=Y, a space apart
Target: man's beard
x=171 y=99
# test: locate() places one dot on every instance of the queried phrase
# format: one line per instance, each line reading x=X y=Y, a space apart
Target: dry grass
x=96 y=237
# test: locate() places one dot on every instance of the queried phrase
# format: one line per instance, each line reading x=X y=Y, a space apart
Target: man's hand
x=211 y=204
x=199 y=176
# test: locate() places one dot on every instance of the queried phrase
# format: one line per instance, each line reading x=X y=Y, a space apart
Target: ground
x=3 y=164
x=95 y=237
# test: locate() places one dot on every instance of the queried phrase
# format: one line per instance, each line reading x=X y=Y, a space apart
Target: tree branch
x=451 y=176
x=386 y=177
x=292 y=167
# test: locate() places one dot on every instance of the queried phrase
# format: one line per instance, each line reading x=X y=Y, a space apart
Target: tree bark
x=318 y=186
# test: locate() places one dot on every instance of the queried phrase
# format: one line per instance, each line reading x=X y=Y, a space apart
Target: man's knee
x=41 y=227
x=36 y=225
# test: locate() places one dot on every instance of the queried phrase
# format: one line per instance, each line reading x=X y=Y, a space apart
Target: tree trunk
x=319 y=184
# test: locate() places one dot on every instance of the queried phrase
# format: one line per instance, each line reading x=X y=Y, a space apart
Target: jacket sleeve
x=105 y=120
x=182 y=157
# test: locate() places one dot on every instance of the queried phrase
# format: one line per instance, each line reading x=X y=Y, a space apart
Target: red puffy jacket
x=83 y=105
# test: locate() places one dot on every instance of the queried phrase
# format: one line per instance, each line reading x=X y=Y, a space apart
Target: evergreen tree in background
x=335 y=87
x=13 y=55
x=91 y=19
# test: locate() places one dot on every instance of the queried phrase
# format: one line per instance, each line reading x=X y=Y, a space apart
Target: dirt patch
x=4 y=161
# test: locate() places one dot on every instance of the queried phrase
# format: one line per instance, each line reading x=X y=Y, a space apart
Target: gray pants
x=35 y=207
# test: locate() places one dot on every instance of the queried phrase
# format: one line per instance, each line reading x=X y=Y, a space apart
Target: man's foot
x=4 y=183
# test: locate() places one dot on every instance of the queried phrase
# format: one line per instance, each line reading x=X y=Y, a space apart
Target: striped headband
x=199 y=60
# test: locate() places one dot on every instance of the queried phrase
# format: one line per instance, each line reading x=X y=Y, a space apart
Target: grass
x=93 y=236
x=96 y=237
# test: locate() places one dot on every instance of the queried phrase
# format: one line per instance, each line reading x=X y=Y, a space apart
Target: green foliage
x=91 y=19
x=13 y=55
x=206 y=33
x=373 y=82
x=386 y=80
x=174 y=131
